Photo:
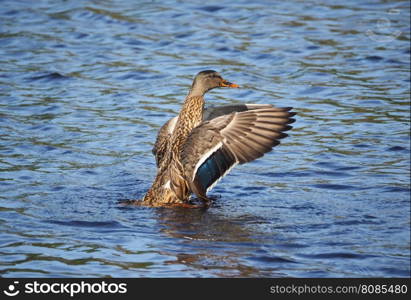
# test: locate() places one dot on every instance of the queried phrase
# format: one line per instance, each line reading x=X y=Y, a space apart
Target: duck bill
x=225 y=83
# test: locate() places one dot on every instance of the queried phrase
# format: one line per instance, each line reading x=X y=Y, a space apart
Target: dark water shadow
x=218 y=244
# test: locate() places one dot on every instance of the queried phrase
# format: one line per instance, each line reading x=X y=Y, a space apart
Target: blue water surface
x=85 y=86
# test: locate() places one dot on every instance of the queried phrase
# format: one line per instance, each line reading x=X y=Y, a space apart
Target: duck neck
x=191 y=113
x=196 y=91
x=190 y=116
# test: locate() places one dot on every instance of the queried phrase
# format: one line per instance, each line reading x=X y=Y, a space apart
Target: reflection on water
x=196 y=229
x=85 y=87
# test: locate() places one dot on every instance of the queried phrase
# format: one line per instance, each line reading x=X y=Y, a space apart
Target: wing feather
x=215 y=146
x=163 y=136
x=165 y=132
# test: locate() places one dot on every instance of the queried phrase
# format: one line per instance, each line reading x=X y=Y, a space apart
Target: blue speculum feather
x=207 y=173
x=212 y=169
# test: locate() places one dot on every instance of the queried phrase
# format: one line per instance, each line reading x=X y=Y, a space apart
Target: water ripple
x=84 y=87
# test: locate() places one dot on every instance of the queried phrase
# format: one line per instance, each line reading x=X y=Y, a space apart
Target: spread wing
x=216 y=111
x=165 y=132
x=163 y=137
x=214 y=147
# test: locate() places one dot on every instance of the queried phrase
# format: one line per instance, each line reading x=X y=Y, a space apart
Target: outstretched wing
x=217 y=111
x=214 y=147
x=163 y=137
x=165 y=132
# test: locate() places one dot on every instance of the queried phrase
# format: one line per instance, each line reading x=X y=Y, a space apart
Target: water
x=84 y=87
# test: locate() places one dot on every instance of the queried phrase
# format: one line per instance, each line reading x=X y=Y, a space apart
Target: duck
x=199 y=146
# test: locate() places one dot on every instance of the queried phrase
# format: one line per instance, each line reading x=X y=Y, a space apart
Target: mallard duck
x=198 y=147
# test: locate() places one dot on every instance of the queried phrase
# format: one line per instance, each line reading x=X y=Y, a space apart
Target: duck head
x=207 y=80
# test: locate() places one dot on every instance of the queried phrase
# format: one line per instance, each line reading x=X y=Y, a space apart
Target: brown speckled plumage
x=169 y=166
x=221 y=136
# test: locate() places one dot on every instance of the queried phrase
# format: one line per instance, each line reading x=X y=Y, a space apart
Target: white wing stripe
x=204 y=157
